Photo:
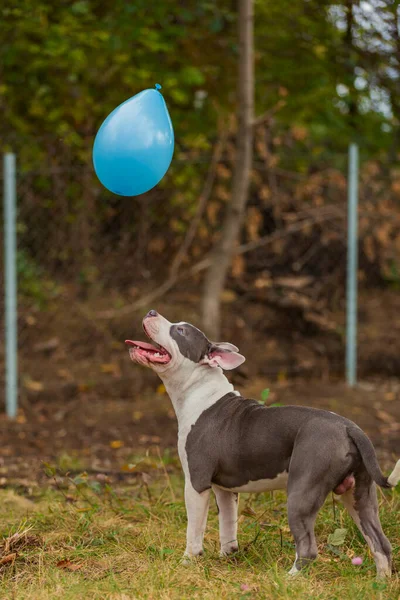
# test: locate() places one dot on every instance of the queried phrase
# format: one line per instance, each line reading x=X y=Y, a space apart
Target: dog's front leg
x=227 y=503
x=197 y=511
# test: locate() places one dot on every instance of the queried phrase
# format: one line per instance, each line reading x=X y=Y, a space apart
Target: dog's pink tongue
x=142 y=345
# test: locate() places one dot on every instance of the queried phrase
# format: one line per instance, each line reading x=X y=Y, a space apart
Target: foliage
x=326 y=73
x=33 y=283
x=66 y=65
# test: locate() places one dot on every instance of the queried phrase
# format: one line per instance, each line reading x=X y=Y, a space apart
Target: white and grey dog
x=232 y=444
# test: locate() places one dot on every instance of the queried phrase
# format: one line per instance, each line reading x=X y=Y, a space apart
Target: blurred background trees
x=326 y=73
x=66 y=65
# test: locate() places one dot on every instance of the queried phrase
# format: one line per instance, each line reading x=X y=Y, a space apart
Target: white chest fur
x=200 y=394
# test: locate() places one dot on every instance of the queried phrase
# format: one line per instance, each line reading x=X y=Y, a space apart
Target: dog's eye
x=181 y=330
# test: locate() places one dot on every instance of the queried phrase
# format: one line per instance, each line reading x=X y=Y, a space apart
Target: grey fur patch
x=366 y=506
x=192 y=342
x=238 y=440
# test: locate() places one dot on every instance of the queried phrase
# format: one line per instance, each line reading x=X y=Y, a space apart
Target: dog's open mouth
x=154 y=354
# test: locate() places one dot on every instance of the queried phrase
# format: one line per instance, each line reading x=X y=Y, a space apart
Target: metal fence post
x=10 y=283
x=352 y=267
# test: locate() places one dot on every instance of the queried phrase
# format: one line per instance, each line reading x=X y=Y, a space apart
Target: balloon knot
x=158 y=86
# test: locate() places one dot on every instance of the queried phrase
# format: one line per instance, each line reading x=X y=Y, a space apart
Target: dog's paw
x=229 y=548
x=293 y=571
x=190 y=559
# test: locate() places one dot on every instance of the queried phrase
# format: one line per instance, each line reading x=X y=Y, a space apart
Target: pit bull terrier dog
x=231 y=444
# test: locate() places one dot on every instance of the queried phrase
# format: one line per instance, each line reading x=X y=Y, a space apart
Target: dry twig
x=321 y=217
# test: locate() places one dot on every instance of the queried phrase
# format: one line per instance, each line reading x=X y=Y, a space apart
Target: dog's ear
x=223 y=355
x=225 y=346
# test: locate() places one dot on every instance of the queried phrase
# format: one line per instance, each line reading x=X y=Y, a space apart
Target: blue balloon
x=134 y=146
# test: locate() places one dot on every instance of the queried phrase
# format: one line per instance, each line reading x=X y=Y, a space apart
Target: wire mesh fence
x=86 y=259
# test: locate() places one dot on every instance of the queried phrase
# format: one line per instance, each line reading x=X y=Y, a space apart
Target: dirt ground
x=107 y=435
x=85 y=405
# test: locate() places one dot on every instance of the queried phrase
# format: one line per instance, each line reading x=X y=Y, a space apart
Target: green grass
x=88 y=539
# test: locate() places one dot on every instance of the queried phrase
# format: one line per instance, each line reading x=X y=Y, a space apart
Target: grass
x=84 y=538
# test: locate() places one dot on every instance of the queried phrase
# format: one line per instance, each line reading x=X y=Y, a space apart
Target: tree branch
x=207 y=261
x=261 y=119
x=202 y=203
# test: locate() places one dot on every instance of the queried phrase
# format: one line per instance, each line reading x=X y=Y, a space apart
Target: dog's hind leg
x=362 y=504
x=312 y=476
x=227 y=503
x=303 y=507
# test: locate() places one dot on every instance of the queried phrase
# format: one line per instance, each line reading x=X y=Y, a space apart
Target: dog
x=231 y=444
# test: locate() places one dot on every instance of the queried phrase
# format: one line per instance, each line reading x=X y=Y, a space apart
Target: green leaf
x=95 y=486
x=49 y=470
x=80 y=8
x=264 y=395
x=337 y=538
x=192 y=76
x=379 y=585
x=165 y=552
x=334 y=550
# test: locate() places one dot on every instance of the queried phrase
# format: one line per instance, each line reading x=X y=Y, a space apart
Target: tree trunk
x=216 y=275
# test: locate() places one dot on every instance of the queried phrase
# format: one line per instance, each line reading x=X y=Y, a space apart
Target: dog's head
x=180 y=345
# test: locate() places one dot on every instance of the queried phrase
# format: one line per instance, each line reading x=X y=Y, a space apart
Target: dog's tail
x=368 y=455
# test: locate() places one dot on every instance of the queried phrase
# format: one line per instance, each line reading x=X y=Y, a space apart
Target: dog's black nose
x=152 y=313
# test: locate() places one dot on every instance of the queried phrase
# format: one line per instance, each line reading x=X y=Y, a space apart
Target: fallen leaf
x=338 y=537
x=128 y=468
x=116 y=444
x=47 y=346
x=384 y=416
x=263 y=282
x=33 y=386
x=64 y=373
x=83 y=387
x=294 y=282
x=70 y=566
x=112 y=369
x=9 y=558
x=228 y=296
